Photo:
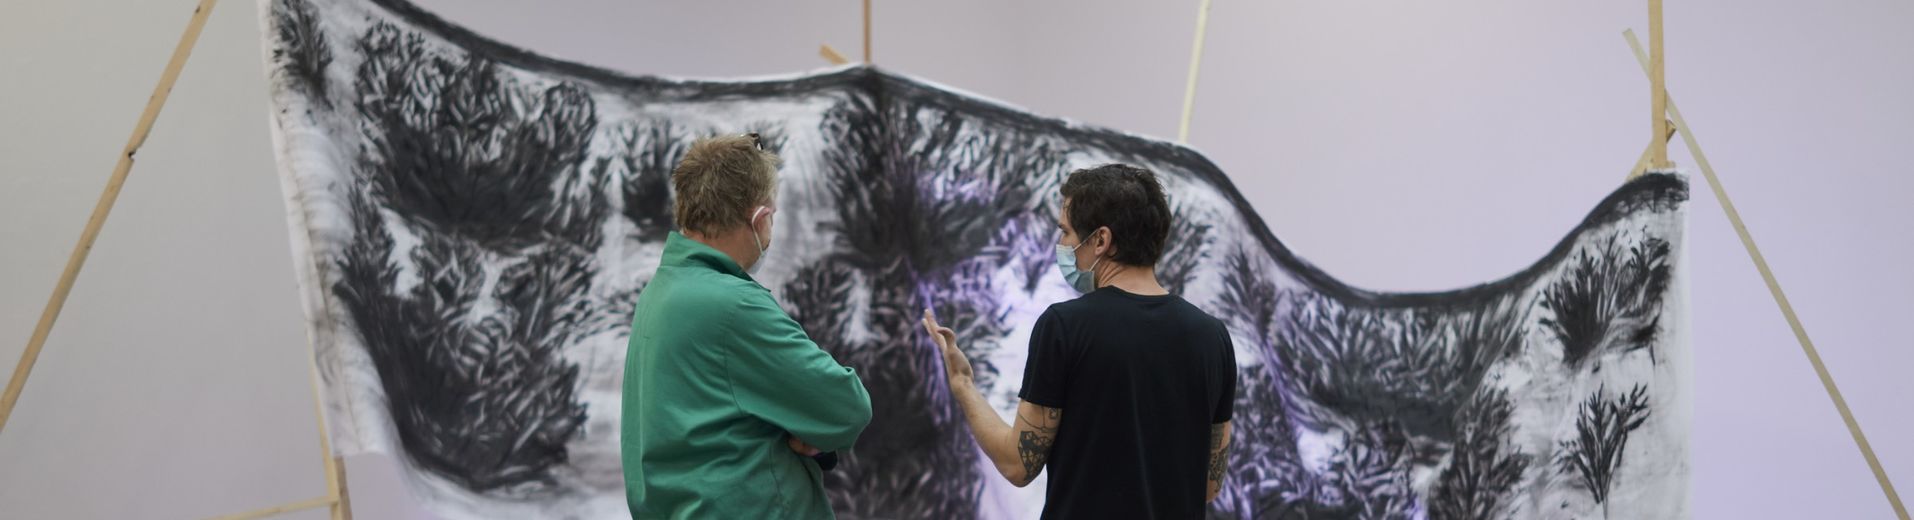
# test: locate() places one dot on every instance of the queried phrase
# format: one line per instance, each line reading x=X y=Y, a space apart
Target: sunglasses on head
x=756 y=140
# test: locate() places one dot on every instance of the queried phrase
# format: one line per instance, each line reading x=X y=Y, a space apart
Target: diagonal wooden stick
x=100 y=210
x=837 y=58
x=831 y=55
x=1196 y=59
x=1774 y=287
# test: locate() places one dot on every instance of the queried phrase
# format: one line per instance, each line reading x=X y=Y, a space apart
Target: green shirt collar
x=682 y=251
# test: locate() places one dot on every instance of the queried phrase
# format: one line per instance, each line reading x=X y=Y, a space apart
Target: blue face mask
x=1082 y=281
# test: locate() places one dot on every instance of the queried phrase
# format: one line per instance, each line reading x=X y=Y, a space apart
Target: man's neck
x=1134 y=280
x=735 y=243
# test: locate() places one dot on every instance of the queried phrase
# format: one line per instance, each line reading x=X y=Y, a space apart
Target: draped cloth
x=472 y=223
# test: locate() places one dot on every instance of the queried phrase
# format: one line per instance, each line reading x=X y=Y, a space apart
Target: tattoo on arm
x=1035 y=450
x=1035 y=437
x=1219 y=452
x=1045 y=422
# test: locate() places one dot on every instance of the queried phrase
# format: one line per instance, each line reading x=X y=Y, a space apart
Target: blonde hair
x=720 y=180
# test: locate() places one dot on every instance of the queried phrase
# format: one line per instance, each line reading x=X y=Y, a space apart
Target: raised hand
x=956 y=364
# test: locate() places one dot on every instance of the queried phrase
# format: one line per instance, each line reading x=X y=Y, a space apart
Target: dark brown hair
x=1126 y=199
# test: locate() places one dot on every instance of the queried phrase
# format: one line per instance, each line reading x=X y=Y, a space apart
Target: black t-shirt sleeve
x=1045 y=376
x=1225 y=407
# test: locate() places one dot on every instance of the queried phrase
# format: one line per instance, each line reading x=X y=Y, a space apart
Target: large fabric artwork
x=472 y=224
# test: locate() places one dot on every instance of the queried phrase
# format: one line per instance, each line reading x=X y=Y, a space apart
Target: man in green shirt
x=725 y=397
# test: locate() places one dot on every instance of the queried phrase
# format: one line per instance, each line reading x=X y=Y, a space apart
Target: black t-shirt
x=1140 y=379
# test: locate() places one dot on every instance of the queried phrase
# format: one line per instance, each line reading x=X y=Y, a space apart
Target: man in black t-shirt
x=1127 y=390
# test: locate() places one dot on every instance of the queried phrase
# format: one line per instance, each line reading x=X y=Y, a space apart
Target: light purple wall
x=1401 y=145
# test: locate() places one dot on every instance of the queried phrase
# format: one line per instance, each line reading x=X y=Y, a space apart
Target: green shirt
x=716 y=377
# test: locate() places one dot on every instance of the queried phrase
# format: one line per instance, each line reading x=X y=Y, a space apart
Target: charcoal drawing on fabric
x=472 y=224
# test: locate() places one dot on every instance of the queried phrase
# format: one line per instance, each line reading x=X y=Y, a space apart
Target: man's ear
x=1106 y=243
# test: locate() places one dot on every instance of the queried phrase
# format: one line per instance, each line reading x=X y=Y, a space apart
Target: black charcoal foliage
x=302 y=48
x=647 y=153
x=1265 y=477
x=482 y=172
x=1415 y=367
x=1187 y=249
x=484 y=400
x=1250 y=299
x=1367 y=477
x=478 y=205
x=1369 y=474
x=1602 y=428
x=1030 y=242
x=929 y=203
x=1610 y=296
x=1406 y=387
x=1485 y=465
x=463 y=148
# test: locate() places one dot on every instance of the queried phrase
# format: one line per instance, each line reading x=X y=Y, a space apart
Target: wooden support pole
x=1648 y=154
x=1774 y=288
x=831 y=55
x=335 y=468
x=342 y=506
x=335 y=476
x=279 y=509
x=56 y=302
x=336 y=500
x=1658 y=87
x=1196 y=61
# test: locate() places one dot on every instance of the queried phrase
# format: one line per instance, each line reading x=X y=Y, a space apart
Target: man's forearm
x=990 y=430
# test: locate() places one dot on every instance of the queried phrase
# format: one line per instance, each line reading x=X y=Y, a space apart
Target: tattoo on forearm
x=1219 y=454
x=1034 y=448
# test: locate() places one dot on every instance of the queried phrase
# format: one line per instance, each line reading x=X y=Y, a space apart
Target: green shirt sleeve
x=777 y=374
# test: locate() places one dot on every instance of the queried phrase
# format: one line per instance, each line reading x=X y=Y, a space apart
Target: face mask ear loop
x=1096 y=281
x=752 y=225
